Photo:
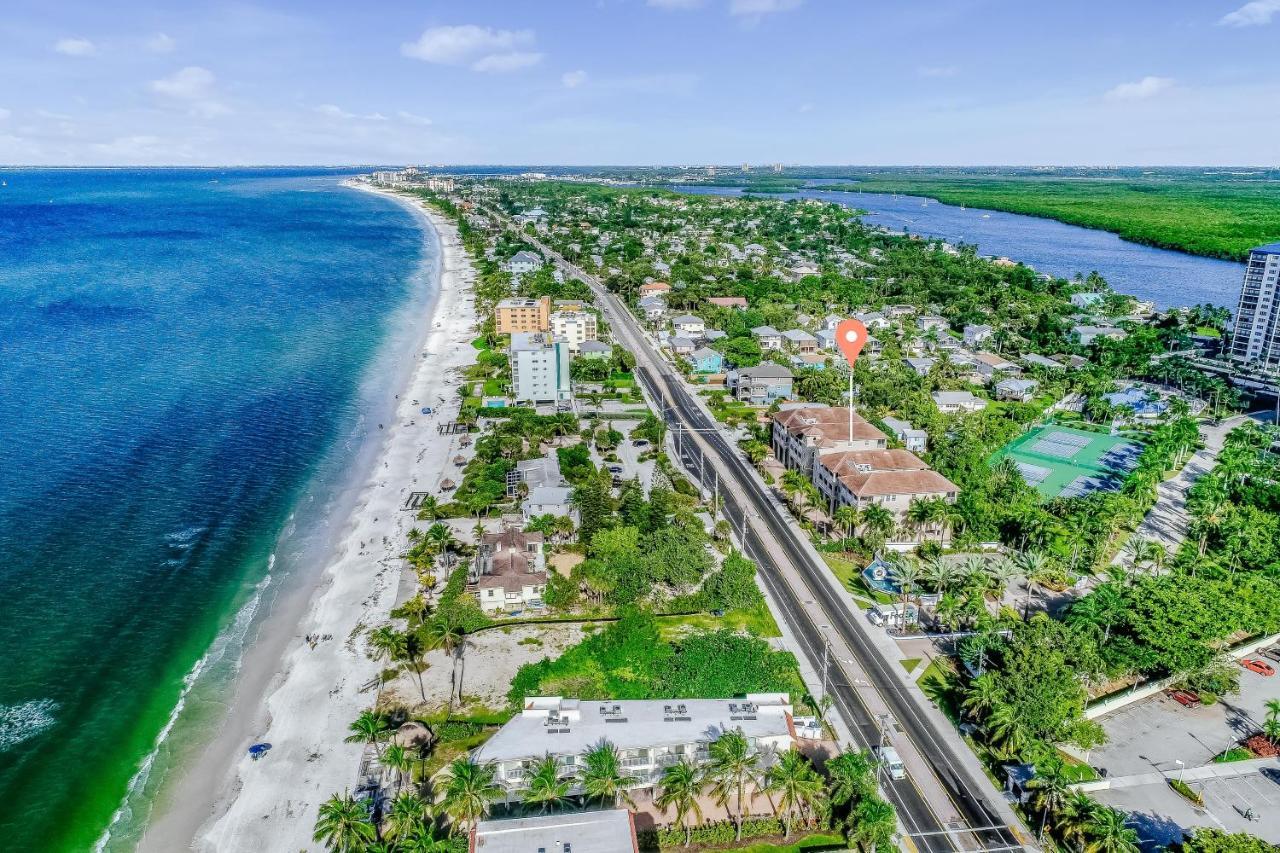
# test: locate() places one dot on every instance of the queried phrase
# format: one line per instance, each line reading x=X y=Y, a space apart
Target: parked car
x=1273 y=653
x=640 y=442
x=615 y=469
x=1259 y=666
x=1185 y=698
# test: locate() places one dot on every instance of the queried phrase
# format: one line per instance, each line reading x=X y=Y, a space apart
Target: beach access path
x=271 y=804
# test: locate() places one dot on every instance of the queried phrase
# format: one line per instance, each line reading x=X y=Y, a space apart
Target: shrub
x=1186 y=791
x=721 y=833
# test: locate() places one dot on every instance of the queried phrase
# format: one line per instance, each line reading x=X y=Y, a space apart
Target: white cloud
x=464 y=44
x=4 y=114
x=756 y=8
x=161 y=43
x=410 y=118
x=194 y=86
x=75 y=47
x=1255 y=14
x=573 y=79
x=937 y=71
x=676 y=4
x=503 y=62
x=805 y=108
x=1147 y=87
x=334 y=111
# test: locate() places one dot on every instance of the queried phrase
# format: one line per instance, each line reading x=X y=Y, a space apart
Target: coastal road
x=945 y=803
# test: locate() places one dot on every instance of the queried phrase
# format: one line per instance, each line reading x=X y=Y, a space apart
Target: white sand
x=271 y=804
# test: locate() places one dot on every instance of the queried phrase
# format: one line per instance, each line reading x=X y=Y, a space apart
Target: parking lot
x=1158 y=732
x=629 y=458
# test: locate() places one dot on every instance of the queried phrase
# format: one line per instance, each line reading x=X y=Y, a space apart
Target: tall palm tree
x=441 y=539
x=1007 y=730
x=847 y=517
x=546 y=789
x=1107 y=832
x=343 y=824
x=1073 y=818
x=873 y=824
x=732 y=767
x=602 y=776
x=413 y=650
x=796 y=783
x=443 y=632
x=468 y=792
x=999 y=572
x=906 y=573
x=982 y=696
x=850 y=776
x=371 y=728
x=429 y=509
x=398 y=760
x=877 y=524
x=385 y=643
x=940 y=573
x=679 y=788
x=1050 y=791
x=407 y=813
x=423 y=840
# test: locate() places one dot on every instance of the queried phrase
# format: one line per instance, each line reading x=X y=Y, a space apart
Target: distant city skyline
x=638 y=82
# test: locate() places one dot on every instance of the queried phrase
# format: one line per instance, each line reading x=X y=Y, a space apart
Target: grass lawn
x=910 y=664
x=850 y=575
x=480 y=344
x=493 y=388
x=1220 y=216
x=818 y=841
x=758 y=621
x=941 y=683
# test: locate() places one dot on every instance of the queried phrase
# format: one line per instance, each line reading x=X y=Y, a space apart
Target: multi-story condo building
x=1256 y=339
x=539 y=369
x=650 y=735
x=574 y=327
x=522 y=315
x=890 y=478
x=801 y=435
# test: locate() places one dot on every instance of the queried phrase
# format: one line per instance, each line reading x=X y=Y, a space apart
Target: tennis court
x=1062 y=461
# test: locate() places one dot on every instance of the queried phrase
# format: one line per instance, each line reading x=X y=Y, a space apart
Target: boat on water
x=986 y=216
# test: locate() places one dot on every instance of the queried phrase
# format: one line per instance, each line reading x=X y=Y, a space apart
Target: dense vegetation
x=1218 y=216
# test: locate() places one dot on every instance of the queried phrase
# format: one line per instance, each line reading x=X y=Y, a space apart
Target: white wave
x=24 y=721
x=185 y=538
x=230 y=638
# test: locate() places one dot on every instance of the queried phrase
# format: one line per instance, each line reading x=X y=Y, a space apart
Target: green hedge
x=722 y=832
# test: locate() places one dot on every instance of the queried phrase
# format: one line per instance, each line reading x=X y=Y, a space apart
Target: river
x=1168 y=278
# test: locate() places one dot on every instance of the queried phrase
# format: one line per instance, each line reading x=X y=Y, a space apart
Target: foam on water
x=24 y=721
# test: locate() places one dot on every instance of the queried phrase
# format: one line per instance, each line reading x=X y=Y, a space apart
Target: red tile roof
x=828 y=425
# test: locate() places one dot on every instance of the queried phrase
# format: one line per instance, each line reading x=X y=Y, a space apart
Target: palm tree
x=873 y=824
x=847 y=517
x=1051 y=789
x=732 y=767
x=796 y=783
x=468 y=792
x=385 y=643
x=1073 y=819
x=441 y=539
x=399 y=760
x=445 y=633
x=602 y=775
x=982 y=696
x=407 y=813
x=371 y=728
x=1107 y=832
x=849 y=776
x=1007 y=730
x=679 y=788
x=429 y=509
x=423 y=840
x=940 y=573
x=412 y=650
x=546 y=789
x=906 y=573
x=877 y=524
x=343 y=824
x=999 y=572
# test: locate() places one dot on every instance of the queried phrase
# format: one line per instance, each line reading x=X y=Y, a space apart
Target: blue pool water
x=181 y=354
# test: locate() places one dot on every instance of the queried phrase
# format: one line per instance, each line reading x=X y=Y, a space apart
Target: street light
x=1182 y=768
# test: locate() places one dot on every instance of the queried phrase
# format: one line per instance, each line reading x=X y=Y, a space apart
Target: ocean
x=187 y=357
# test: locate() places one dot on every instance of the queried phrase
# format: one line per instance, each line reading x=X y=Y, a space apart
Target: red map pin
x=851 y=337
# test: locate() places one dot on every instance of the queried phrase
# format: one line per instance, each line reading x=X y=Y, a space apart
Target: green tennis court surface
x=1064 y=462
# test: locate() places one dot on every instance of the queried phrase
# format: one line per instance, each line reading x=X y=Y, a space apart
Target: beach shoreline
x=300 y=696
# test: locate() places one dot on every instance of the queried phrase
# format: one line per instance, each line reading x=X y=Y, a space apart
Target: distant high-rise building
x=1257 y=330
x=777 y=167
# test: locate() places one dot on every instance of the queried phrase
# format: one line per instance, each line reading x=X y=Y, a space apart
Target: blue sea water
x=181 y=351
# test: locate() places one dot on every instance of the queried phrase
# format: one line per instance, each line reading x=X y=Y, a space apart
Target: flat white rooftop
x=585 y=832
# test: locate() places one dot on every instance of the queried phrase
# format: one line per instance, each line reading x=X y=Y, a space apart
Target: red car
x=1185 y=698
x=1258 y=666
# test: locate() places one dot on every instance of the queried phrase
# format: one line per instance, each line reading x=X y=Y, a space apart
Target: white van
x=891 y=762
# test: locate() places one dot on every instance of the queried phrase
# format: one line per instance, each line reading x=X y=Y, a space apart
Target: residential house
x=549 y=500
x=921 y=366
x=1086 y=335
x=1018 y=390
x=1034 y=360
x=653 y=288
x=873 y=320
x=682 y=346
x=988 y=365
x=826 y=339
x=522 y=315
x=800 y=341
x=509 y=571
x=706 y=360
x=799 y=436
x=915 y=440
x=594 y=349
x=927 y=322
x=688 y=325
x=951 y=402
x=539 y=369
x=892 y=479
x=738 y=302
x=816 y=360
x=523 y=262
x=1085 y=301
x=573 y=327
x=974 y=335
x=654 y=308
x=649 y=734
x=768 y=337
x=711 y=335
x=763 y=384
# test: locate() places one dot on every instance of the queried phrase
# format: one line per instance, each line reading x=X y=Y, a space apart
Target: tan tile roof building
x=522 y=315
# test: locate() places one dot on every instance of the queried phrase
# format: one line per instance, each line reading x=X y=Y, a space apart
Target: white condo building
x=573 y=327
x=539 y=369
x=1257 y=330
x=649 y=734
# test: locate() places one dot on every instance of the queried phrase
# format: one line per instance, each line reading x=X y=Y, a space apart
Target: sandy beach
x=305 y=707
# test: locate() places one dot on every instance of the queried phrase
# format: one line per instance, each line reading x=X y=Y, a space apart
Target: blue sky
x=959 y=82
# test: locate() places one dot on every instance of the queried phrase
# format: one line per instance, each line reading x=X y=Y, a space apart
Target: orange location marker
x=851 y=337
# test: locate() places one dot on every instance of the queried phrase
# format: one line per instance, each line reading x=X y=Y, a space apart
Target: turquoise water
x=181 y=352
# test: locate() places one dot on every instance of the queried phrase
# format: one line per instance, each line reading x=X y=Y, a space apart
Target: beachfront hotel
x=539 y=369
x=522 y=315
x=649 y=734
x=1256 y=339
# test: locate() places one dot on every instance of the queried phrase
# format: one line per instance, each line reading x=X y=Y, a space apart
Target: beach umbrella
x=258 y=750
